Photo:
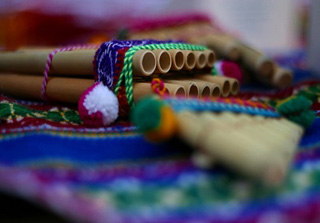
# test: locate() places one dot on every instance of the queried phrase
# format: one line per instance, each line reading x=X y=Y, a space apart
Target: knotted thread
x=49 y=63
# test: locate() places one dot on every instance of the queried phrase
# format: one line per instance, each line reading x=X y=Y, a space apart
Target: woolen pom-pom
x=98 y=106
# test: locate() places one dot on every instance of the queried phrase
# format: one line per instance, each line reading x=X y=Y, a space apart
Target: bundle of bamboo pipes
x=72 y=72
x=258 y=64
x=261 y=147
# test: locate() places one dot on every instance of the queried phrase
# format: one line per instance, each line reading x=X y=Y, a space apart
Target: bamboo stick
x=33 y=61
x=64 y=89
x=75 y=62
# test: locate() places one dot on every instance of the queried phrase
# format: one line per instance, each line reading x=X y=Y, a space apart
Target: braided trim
x=126 y=72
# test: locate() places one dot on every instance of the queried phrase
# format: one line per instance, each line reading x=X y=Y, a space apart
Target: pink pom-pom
x=229 y=69
x=98 y=106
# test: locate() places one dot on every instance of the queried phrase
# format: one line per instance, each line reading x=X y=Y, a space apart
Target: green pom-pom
x=147 y=114
x=305 y=118
x=294 y=105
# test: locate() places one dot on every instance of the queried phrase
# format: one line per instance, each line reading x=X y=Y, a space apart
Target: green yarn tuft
x=214 y=71
x=297 y=109
x=305 y=118
x=294 y=105
x=146 y=115
x=126 y=73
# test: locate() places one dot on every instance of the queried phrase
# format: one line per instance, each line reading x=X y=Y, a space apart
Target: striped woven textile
x=114 y=175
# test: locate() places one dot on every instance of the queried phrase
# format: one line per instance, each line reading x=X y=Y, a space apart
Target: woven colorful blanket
x=114 y=175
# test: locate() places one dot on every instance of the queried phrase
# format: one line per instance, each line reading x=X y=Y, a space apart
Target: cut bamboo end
x=175 y=90
x=177 y=59
x=163 y=61
x=205 y=91
x=200 y=59
x=215 y=90
x=192 y=89
x=222 y=82
x=282 y=78
x=234 y=85
x=210 y=58
x=144 y=63
x=265 y=67
x=189 y=60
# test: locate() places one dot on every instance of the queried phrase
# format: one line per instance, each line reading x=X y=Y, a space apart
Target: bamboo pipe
x=282 y=77
x=234 y=85
x=192 y=88
x=256 y=61
x=75 y=62
x=59 y=89
x=206 y=89
x=143 y=63
x=175 y=90
x=142 y=89
x=163 y=61
x=223 y=45
x=201 y=60
x=189 y=60
x=222 y=82
x=66 y=90
x=177 y=59
x=210 y=58
x=34 y=61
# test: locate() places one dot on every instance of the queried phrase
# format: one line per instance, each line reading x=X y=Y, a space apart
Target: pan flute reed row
x=79 y=62
x=78 y=65
x=255 y=146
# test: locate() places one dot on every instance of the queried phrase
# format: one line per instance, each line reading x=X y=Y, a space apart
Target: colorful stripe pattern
x=114 y=175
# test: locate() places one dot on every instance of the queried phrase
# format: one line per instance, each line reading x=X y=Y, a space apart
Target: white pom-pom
x=98 y=106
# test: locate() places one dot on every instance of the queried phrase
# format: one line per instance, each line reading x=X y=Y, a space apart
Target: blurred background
x=271 y=25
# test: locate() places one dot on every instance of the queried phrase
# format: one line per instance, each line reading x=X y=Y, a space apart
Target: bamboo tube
x=177 y=59
x=66 y=90
x=235 y=87
x=191 y=87
x=210 y=58
x=143 y=63
x=163 y=61
x=223 y=45
x=189 y=60
x=200 y=59
x=256 y=61
x=222 y=82
x=175 y=90
x=215 y=90
x=33 y=61
x=282 y=77
x=59 y=89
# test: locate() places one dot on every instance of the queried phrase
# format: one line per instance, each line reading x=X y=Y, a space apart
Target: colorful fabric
x=113 y=175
